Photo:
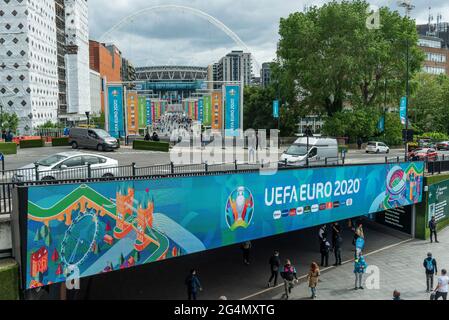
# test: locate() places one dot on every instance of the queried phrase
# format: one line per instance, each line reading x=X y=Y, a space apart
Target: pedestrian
x=246 y=248
x=275 y=264
x=290 y=277
x=359 y=143
x=155 y=137
x=322 y=233
x=4 y=135
x=147 y=136
x=9 y=136
x=430 y=264
x=193 y=285
x=433 y=229
x=337 y=250
x=359 y=230
x=313 y=277
x=336 y=231
x=359 y=269
x=396 y=295
x=442 y=287
x=324 y=250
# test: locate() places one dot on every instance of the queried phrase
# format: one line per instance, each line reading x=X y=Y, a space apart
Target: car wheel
x=367 y=151
x=377 y=151
x=74 y=145
x=108 y=176
x=100 y=147
x=388 y=151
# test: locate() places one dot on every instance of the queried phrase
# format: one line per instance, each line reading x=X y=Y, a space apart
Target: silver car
x=68 y=165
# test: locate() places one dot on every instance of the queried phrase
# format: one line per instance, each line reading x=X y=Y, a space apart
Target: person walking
x=337 y=250
x=313 y=277
x=396 y=295
x=443 y=286
x=324 y=250
x=359 y=143
x=430 y=264
x=275 y=264
x=289 y=275
x=336 y=231
x=193 y=285
x=246 y=248
x=359 y=269
x=433 y=229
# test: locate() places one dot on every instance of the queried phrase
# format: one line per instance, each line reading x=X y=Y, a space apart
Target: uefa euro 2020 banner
x=115 y=111
x=101 y=227
x=232 y=110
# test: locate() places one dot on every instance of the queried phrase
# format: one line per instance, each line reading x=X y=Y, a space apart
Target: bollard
x=172 y=167
x=325 y=161
x=36 y=171
x=134 y=168
x=235 y=165
x=206 y=167
x=89 y=171
x=386 y=159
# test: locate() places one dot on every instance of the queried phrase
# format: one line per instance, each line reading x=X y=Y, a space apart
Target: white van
x=319 y=150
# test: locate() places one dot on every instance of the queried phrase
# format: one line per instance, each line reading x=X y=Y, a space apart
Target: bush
x=434 y=136
x=8 y=147
x=393 y=130
x=151 y=145
x=32 y=143
x=57 y=142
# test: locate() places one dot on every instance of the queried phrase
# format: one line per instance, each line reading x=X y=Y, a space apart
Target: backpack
x=429 y=265
x=288 y=273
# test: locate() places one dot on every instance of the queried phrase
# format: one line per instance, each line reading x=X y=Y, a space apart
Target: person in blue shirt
x=193 y=285
x=359 y=269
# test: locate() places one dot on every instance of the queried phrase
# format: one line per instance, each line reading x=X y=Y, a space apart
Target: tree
x=50 y=125
x=99 y=120
x=9 y=121
x=429 y=103
x=329 y=57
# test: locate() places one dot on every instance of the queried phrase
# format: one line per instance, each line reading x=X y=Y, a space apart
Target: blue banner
x=115 y=110
x=381 y=124
x=403 y=110
x=106 y=226
x=232 y=110
x=148 y=111
x=276 y=109
x=200 y=110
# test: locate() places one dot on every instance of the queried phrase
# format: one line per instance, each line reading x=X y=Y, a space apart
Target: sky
x=157 y=35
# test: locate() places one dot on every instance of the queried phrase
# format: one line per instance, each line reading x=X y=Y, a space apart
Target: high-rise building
x=436 y=56
x=128 y=72
x=29 y=62
x=77 y=58
x=60 y=39
x=107 y=61
x=265 y=74
x=235 y=66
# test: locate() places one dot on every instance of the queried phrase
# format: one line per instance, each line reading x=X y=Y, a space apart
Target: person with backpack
x=290 y=277
x=246 y=249
x=443 y=286
x=313 y=277
x=430 y=264
x=193 y=285
x=433 y=229
x=359 y=269
x=337 y=250
x=325 y=248
x=275 y=264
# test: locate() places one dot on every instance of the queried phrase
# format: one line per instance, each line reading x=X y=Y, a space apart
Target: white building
x=28 y=61
x=77 y=57
x=95 y=90
x=235 y=66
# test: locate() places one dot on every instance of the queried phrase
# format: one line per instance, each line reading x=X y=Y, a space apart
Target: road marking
x=328 y=268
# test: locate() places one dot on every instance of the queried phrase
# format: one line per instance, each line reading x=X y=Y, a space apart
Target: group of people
x=7 y=136
x=172 y=122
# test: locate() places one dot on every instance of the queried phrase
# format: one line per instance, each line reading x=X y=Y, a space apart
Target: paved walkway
x=400 y=268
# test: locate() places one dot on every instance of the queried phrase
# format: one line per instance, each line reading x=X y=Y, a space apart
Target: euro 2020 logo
x=239 y=208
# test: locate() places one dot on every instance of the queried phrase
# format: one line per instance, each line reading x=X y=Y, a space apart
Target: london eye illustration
x=79 y=239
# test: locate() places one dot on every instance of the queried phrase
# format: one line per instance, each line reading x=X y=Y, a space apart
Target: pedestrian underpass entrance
x=84 y=229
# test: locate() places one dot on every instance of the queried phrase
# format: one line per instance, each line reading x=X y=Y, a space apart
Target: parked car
x=68 y=165
x=423 y=154
x=377 y=147
x=443 y=145
x=319 y=149
x=92 y=138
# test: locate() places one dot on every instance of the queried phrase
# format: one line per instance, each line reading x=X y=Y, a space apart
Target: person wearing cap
x=430 y=264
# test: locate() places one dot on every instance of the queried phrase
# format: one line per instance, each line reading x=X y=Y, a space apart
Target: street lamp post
x=87 y=115
x=407 y=94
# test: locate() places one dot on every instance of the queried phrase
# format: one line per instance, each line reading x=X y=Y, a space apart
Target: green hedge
x=8 y=147
x=9 y=280
x=32 y=143
x=57 y=142
x=151 y=145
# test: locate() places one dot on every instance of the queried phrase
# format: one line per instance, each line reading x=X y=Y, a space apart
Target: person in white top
x=443 y=285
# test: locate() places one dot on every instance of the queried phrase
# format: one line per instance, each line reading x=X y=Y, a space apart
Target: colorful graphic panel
x=142 y=112
x=149 y=117
x=132 y=113
x=207 y=110
x=217 y=111
x=115 y=111
x=232 y=110
x=106 y=226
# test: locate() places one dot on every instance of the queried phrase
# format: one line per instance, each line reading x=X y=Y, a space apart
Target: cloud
x=178 y=37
